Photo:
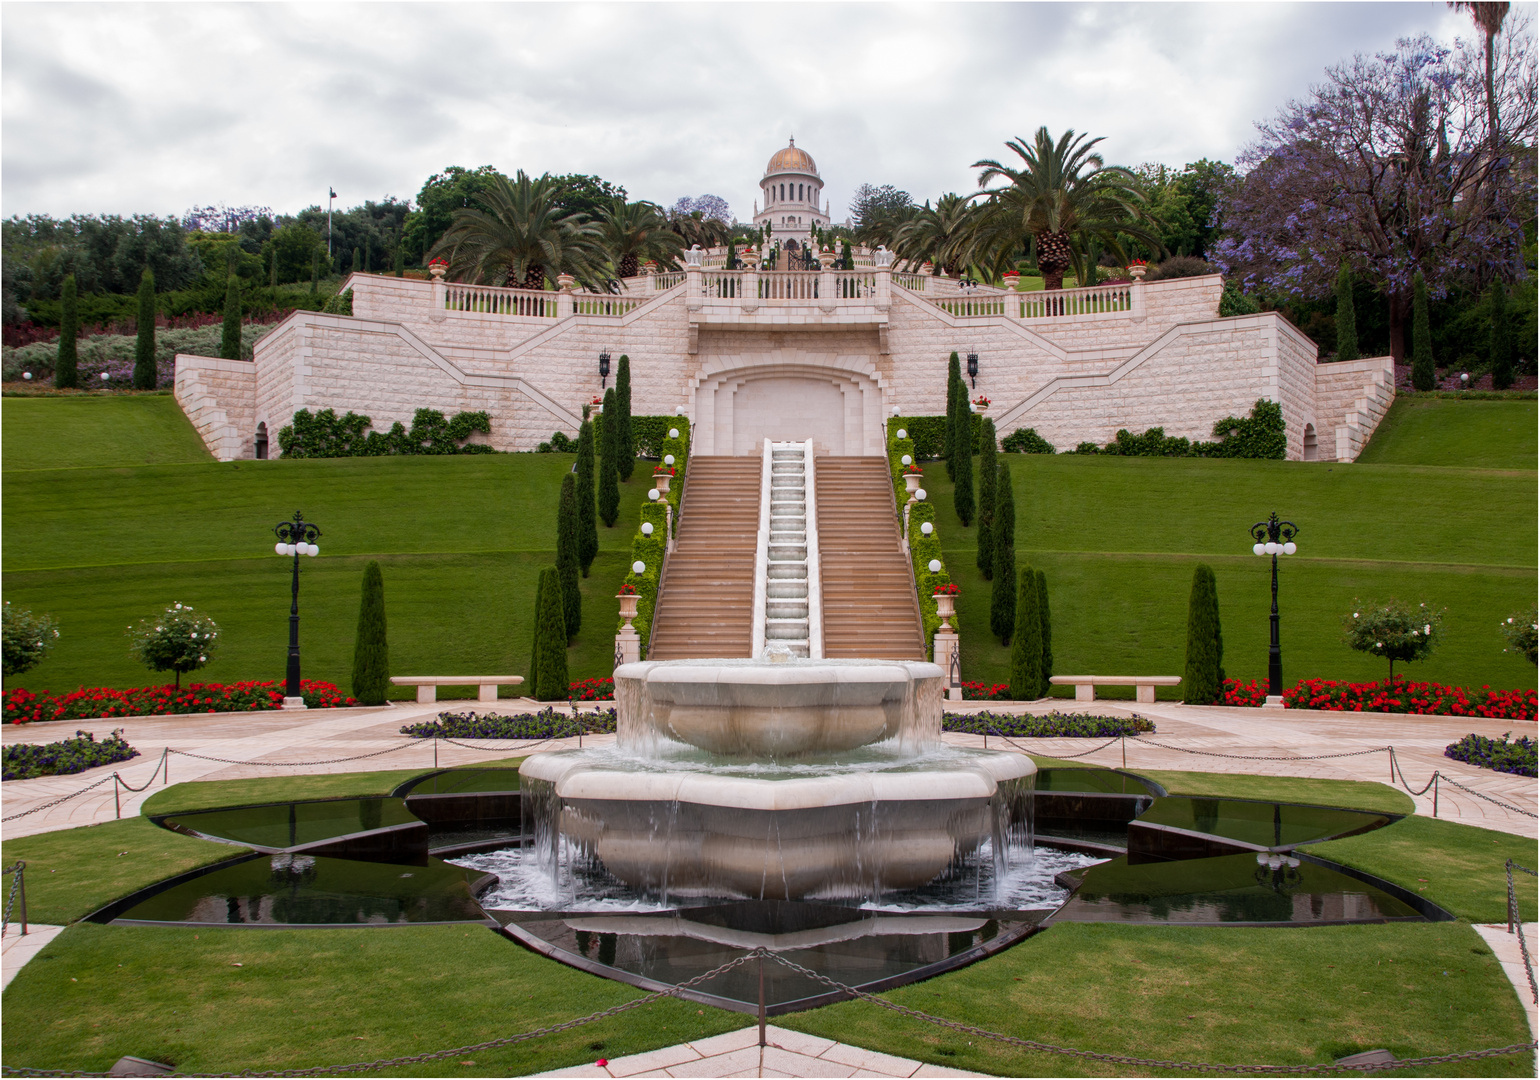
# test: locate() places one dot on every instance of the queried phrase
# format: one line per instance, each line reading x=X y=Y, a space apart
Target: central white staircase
x=787 y=608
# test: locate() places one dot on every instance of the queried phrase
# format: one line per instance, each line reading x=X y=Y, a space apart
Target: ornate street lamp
x=295 y=538
x=604 y=368
x=973 y=369
x=1274 y=537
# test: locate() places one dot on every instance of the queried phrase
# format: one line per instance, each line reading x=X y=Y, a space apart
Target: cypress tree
x=144 y=347
x=534 y=637
x=1423 y=375
x=567 y=561
x=609 y=476
x=358 y=261
x=986 y=509
x=551 y=681
x=1347 y=320
x=588 y=529
x=1027 y=641
x=1002 y=600
x=1045 y=621
x=1500 y=339
x=953 y=382
x=962 y=490
x=230 y=336
x=371 y=652
x=1203 y=678
x=400 y=266
x=625 y=440
x=66 y=369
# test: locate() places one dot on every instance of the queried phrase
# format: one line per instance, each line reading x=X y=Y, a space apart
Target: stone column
x=440 y=299
x=567 y=301
x=947 y=654
x=628 y=643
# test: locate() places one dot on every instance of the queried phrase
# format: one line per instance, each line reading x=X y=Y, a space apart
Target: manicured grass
x=73 y=872
x=1213 y=994
x=76 y=432
x=1459 y=867
x=302 y=998
x=1349 y=794
x=205 y=794
x=1468 y=434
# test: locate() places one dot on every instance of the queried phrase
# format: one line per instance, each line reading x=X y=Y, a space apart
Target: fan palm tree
x=1061 y=193
x=520 y=235
x=633 y=233
x=936 y=236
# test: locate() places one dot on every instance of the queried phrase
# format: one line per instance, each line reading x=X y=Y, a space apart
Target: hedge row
x=548 y=723
x=22 y=761
x=327 y=435
x=649 y=550
x=922 y=548
x=929 y=436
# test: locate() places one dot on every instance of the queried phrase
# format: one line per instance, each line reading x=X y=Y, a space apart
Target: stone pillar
x=628 y=646
x=567 y=301
x=440 y=299
x=826 y=297
x=950 y=661
x=750 y=298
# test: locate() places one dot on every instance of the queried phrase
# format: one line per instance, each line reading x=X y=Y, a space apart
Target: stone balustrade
x=1122 y=298
x=490 y=300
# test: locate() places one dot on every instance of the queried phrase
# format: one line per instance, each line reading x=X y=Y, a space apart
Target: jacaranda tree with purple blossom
x=1388 y=167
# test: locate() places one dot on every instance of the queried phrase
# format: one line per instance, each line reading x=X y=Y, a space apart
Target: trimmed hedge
x=1026 y=441
x=650 y=550
x=928 y=433
x=1259 y=435
x=327 y=435
x=922 y=548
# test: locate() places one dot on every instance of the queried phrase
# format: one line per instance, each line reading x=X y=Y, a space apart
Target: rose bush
x=23 y=706
x=1401 y=696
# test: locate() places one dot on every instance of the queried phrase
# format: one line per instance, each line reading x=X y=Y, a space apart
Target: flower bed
x=1500 y=755
x=1054 y=725
x=23 y=761
x=592 y=690
x=22 y=706
x=977 y=691
x=1401 y=696
x=548 y=723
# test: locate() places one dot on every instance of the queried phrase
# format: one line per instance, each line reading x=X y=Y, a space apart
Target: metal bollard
x=761 y=1000
x=21 y=889
x=117 y=801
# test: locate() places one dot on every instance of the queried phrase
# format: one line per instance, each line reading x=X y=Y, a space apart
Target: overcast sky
x=128 y=108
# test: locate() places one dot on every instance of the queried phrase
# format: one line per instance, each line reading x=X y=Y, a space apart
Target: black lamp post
x=604 y=368
x=1274 y=537
x=295 y=538
x=973 y=369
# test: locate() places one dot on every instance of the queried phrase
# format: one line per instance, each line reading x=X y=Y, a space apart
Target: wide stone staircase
x=706 y=596
x=869 y=604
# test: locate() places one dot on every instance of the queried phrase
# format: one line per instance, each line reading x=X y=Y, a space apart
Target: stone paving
x=1506 y=947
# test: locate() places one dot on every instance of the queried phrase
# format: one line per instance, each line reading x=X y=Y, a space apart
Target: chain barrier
x=124 y=783
x=1516 y=925
x=1446 y=779
x=1062 y=757
x=1250 y=757
x=1396 y=773
x=56 y=802
x=21 y=864
x=295 y=764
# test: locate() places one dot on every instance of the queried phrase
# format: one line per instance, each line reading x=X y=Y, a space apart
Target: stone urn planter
x=628 y=607
x=438 y=270
x=912 y=482
x=566 y=282
x=662 y=480
x=946 y=607
x=1137 y=271
x=1012 y=281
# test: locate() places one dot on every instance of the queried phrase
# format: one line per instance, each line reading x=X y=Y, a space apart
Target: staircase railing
x=814 y=569
x=761 y=559
x=670 y=525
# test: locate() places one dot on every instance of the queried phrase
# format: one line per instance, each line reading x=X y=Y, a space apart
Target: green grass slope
x=1464 y=434
x=86 y=432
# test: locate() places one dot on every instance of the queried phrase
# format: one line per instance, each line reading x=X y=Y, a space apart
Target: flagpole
x=330 y=195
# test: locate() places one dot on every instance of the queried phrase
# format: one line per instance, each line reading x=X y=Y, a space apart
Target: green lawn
x=1442 y=431
x=1349 y=794
x=87 y=432
x=206 y=794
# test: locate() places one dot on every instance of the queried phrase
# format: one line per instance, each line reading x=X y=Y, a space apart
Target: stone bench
x=1144 y=685
x=427 y=685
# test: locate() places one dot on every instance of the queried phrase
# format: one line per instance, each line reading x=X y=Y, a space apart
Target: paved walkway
x=17 y=948
x=1506 y=946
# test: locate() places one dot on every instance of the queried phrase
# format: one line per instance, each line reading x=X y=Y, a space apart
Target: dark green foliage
x=988 y=475
x=1203 y=678
x=953 y=385
x=144 y=347
x=962 y=489
x=560 y=444
x=358 y=261
x=1026 y=441
x=66 y=373
x=371 y=653
x=1424 y=377
x=1347 y=320
x=625 y=441
x=1045 y=622
x=568 y=562
x=609 y=473
x=534 y=638
x=315 y=264
x=1027 y=641
x=930 y=434
x=1234 y=302
x=1499 y=337
x=551 y=682
x=588 y=530
x=326 y=435
x=400 y=262
x=1002 y=600
x=1259 y=435
x=341 y=304
x=230 y=336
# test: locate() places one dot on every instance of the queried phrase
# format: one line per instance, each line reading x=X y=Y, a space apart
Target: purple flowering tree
x=1389 y=166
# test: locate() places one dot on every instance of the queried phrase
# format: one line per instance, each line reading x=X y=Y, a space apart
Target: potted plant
x=438 y=268
x=596 y=406
x=1137 y=269
x=980 y=404
x=913 y=475
x=1012 y=279
x=628 y=600
x=662 y=476
x=946 y=603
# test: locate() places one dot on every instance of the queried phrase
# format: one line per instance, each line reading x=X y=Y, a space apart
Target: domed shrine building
x=814 y=353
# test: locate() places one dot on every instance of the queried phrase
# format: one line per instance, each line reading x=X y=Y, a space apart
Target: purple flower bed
x=1499 y=755
x=1054 y=725
x=22 y=761
x=548 y=723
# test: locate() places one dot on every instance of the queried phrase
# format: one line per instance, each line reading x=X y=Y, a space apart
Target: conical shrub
x=371 y=651
x=568 y=568
x=588 y=529
x=625 y=438
x=1203 y=676
x=986 y=507
x=66 y=369
x=551 y=682
x=962 y=487
x=609 y=476
x=1002 y=599
x=144 y=344
x=953 y=383
x=1027 y=640
x=534 y=637
x=1045 y=622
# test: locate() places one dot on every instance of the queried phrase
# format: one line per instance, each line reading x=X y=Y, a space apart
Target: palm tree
x=880 y=229
x=936 y=236
x=1488 y=18
x=1063 y=192
x=520 y=236
x=633 y=233
x=696 y=228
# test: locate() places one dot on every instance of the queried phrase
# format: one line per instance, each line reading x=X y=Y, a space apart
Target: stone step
x=786 y=609
x=787 y=571
x=786 y=590
x=783 y=629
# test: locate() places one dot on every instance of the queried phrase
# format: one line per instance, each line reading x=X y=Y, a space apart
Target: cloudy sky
x=127 y=108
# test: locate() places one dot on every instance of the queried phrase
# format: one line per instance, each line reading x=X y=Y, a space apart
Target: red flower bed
x=977 y=691
x=22 y=706
x=1400 y=696
x=592 y=690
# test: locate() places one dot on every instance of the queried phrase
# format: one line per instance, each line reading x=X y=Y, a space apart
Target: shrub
x=1393 y=630
x=1259 y=435
x=1204 y=675
x=929 y=433
x=1347 y=321
x=23 y=761
x=371 y=649
x=568 y=568
x=548 y=723
x=534 y=636
x=177 y=640
x=647 y=550
x=962 y=458
x=559 y=444
x=1026 y=441
x=1424 y=377
x=1252 y=695
x=24 y=706
x=326 y=435
x=1054 y=725
x=977 y=691
x=341 y=304
x=1045 y=623
x=922 y=551
x=1519 y=630
x=1180 y=266
x=551 y=680
x=592 y=690
x=609 y=468
x=66 y=373
x=1499 y=337
x=1002 y=599
x=588 y=529
x=988 y=477
x=1517 y=757
x=1400 y=696
x=625 y=441
x=956 y=398
x=230 y=331
x=27 y=639
x=144 y=348
x=1235 y=302
x=1027 y=641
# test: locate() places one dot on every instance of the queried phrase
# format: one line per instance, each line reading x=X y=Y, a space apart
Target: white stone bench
x=1144 y=685
x=427 y=685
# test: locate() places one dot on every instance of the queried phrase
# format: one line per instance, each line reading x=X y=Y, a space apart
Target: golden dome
x=791 y=160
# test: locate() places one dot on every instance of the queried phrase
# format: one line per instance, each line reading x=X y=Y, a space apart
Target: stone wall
x=219 y=397
x=1352 y=398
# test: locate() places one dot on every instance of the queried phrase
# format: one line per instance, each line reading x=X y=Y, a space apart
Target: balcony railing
x=1063 y=303
x=489 y=300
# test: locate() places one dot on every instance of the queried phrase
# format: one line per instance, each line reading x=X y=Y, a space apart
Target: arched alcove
x=1311 y=450
x=261 y=441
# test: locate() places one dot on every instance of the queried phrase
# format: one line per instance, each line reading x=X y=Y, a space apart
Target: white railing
x=490 y=300
x=662 y=282
x=591 y=304
x=972 y=306
x=1068 y=303
x=814 y=565
x=761 y=559
x=855 y=284
x=722 y=284
x=788 y=286
x=912 y=282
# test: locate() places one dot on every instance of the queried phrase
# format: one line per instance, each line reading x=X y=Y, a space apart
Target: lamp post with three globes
x=1274 y=537
x=295 y=538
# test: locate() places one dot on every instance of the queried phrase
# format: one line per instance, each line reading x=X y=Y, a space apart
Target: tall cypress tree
x=986 y=509
x=534 y=636
x=551 y=681
x=358 y=261
x=1499 y=337
x=1347 y=320
x=1424 y=377
x=588 y=529
x=400 y=264
x=1027 y=641
x=962 y=489
x=371 y=651
x=1045 y=622
x=1002 y=600
x=230 y=336
x=953 y=384
x=1203 y=678
x=625 y=439
x=66 y=369
x=568 y=563
x=609 y=476
x=144 y=346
